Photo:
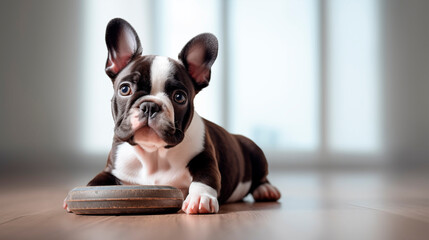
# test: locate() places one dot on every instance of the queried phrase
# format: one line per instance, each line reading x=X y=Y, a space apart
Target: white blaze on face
x=160 y=71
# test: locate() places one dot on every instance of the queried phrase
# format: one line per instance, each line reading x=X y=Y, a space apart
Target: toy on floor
x=124 y=199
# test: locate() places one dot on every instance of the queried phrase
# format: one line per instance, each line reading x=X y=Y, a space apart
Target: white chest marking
x=135 y=165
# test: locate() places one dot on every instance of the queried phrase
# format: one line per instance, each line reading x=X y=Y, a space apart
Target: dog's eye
x=125 y=90
x=179 y=97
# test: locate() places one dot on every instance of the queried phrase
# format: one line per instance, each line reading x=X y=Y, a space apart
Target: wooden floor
x=334 y=205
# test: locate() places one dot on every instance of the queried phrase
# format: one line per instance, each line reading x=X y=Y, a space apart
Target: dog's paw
x=65 y=206
x=195 y=204
x=201 y=199
x=266 y=192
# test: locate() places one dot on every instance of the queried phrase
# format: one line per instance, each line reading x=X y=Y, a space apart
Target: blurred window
x=274 y=71
x=277 y=97
x=353 y=78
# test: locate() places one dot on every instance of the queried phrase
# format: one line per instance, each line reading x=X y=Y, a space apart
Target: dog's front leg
x=104 y=178
x=205 y=186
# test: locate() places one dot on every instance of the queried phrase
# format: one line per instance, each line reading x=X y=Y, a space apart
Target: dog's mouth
x=148 y=132
x=147 y=137
x=156 y=132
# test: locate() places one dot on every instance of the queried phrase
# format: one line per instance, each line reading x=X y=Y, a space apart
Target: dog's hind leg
x=261 y=189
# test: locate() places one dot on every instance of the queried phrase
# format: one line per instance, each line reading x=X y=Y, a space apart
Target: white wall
x=40 y=48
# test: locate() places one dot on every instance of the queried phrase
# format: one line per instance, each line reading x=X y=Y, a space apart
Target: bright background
x=314 y=83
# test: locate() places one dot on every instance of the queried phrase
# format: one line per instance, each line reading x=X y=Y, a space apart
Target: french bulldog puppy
x=159 y=139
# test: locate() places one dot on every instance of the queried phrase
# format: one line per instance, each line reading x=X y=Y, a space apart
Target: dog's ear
x=198 y=56
x=123 y=44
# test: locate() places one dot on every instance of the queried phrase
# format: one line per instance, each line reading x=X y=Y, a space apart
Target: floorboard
x=314 y=205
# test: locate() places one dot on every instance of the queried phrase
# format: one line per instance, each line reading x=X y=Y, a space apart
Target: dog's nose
x=150 y=109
